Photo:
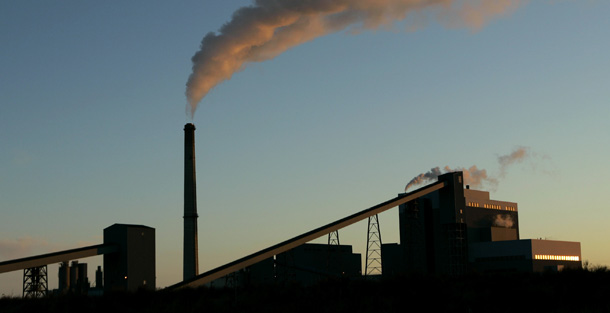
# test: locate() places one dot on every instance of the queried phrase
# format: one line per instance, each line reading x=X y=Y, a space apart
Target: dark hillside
x=568 y=291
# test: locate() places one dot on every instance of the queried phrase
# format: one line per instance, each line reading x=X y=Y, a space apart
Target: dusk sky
x=93 y=105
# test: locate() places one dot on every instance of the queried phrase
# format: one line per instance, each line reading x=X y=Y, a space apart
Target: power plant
x=446 y=229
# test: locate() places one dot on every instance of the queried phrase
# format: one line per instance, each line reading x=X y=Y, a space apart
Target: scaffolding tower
x=333 y=238
x=373 y=247
x=35 y=282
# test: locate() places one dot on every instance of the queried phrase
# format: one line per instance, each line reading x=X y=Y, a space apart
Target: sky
x=93 y=105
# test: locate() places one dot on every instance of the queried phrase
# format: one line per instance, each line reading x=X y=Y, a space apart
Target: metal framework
x=35 y=282
x=56 y=257
x=373 y=247
x=35 y=278
x=333 y=238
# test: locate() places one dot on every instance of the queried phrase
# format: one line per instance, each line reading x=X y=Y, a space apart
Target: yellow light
x=556 y=257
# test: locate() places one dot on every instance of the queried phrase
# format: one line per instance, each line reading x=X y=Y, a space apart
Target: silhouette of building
x=133 y=266
x=260 y=273
x=456 y=230
x=73 y=278
x=99 y=278
x=305 y=265
x=311 y=263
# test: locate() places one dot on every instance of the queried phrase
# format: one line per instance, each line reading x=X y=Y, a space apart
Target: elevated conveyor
x=56 y=257
x=236 y=265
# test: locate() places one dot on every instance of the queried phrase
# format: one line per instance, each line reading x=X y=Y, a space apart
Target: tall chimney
x=191 y=252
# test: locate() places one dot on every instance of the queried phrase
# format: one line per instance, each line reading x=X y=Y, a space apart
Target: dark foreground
x=568 y=291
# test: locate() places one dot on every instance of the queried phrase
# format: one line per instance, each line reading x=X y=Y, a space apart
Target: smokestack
x=191 y=252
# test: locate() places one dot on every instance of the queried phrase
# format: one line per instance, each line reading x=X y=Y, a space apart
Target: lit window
x=556 y=257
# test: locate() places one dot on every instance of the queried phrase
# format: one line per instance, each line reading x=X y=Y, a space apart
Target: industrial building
x=311 y=263
x=445 y=229
x=73 y=277
x=134 y=266
x=457 y=230
x=306 y=264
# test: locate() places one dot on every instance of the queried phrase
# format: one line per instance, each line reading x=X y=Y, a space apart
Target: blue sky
x=92 y=109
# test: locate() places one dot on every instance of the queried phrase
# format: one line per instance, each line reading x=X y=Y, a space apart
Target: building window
x=556 y=257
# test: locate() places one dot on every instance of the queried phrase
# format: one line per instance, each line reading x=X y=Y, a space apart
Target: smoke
x=504 y=220
x=516 y=156
x=269 y=27
x=474 y=176
x=424 y=178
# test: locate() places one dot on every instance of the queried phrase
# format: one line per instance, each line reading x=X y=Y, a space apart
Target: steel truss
x=373 y=247
x=35 y=282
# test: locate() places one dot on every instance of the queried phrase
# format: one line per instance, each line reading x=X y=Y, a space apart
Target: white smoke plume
x=474 y=176
x=267 y=28
x=516 y=156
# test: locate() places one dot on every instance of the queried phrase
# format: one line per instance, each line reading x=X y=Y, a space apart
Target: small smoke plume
x=516 y=156
x=269 y=27
x=473 y=176
x=424 y=178
x=504 y=220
